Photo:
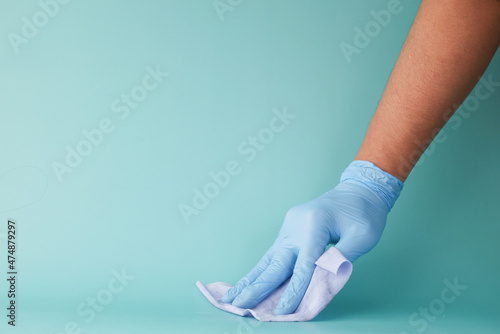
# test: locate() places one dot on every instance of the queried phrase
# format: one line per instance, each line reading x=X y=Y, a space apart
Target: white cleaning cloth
x=330 y=275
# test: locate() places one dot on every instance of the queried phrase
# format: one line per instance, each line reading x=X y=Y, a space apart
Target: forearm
x=448 y=48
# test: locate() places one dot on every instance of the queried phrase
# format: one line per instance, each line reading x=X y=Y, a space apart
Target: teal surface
x=93 y=205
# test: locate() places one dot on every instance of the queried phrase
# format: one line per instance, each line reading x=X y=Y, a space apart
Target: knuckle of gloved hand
x=293 y=212
x=305 y=213
x=314 y=219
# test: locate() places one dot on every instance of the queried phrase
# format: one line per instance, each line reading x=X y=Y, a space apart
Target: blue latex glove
x=352 y=216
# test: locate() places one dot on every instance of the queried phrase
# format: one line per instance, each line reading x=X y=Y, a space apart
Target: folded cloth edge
x=331 y=260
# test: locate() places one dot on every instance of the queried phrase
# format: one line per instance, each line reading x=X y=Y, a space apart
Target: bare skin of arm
x=447 y=50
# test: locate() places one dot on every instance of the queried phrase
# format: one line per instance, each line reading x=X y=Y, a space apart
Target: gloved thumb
x=350 y=248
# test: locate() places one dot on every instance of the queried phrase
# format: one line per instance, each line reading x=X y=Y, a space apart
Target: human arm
x=448 y=48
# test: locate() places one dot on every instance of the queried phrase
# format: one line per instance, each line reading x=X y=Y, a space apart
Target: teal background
x=120 y=207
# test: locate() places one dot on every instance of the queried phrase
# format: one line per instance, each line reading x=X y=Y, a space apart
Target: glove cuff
x=383 y=183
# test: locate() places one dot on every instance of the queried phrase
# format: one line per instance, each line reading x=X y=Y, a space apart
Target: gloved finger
x=249 y=278
x=277 y=272
x=350 y=247
x=301 y=277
